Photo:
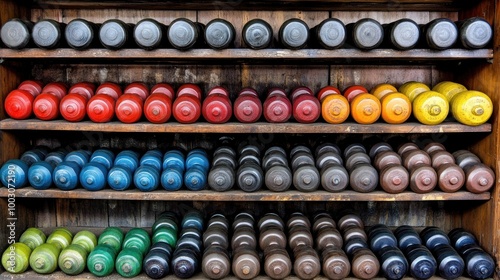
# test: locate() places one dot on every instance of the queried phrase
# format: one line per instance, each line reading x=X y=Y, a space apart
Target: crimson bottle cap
x=189 y=89
x=354 y=91
x=33 y=87
x=328 y=90
x=248 y=91
x=276 y=91
x=111 y=89
x=73 y=107
x=128 y=108
x=57 y=88
x=247 y=108
x=158 y=107
x=217 y=108
x=164 y=89
x=46 y=106
x=277 y=109
x=85 y=89
x=101 y=108
x=300 y=91
x=306 y=109
x=218 y=90
x=18 y=104
x=187 y=109
x=140 y=89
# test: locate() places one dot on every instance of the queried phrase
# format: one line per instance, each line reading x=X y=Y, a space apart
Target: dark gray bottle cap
x=442 y=33
x=257 y=34
x=15 y=34
x=476 y=33
x=46 y=33
x=182 y=33
x=148 y=33
x=294 y=33
x=331 y=33
x=405 y=34
x=113 y=34
x=368 y=33
x=79 y=33
x=219 y=34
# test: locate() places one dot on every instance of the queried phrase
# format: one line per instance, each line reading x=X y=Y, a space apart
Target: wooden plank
x=66 y=206
x=232 y=127
x=123 y=213
x=81 y=213
x=246 y=55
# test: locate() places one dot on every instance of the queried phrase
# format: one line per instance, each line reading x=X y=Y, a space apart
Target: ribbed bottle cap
x=46 y=33
x=113 y=34
x=15 y=34
x=79 y=34
x=219 y=34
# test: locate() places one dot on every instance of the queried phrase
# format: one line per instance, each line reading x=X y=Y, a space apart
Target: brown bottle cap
x=364 y=264
x=479 y=178
x=272 y=236
x=394 y=178
x=328 y=237
x=440 y=157
x=306 y=264
x=354 y=231
x=277 y=264
x=215 y=265
x=246 y=264
x=383 y=159
x=414 y=157
x=433 y=147
x=423 y=178
x=299 y=236
x=451 y=177
x=336 y=265
x=350 y=220
x=407 y=147
x=323 y=222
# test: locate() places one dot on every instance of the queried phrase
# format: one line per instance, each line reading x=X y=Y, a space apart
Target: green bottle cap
x=15 y=259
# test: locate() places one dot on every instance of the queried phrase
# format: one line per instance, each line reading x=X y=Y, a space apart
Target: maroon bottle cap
x=328 y=90
x=217 y=108
x=19 y=104
x=128 y=108
x=187 y=109
x=479 y=178
x=354 y=91
x=440 y=157
x=111 y=89
x=394 y=178
x=383 y=159
x=84 y=89
x=301 y=91
x=413 y=157
x=247 y=108
x=164 y=89
x=101 y=108
x=276 y=91
x=423 y=178
x=451 y=177
x=33 y=87
x=248 y=91
x=73 y=107
x=277 y=109
x=306 y=108
x=158 y=107
x=218 y=90
x=57 y=88
x=189 y=89
x=140 y=89
x=433 y=147
x=46 y=106
x=407 y=147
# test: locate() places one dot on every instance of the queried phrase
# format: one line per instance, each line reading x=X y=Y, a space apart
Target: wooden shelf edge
x=233 y=127
x=248 y=54
x=237 y=195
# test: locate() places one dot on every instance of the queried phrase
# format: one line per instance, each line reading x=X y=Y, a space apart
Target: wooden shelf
x=87 y=275
x=419 y=5
x=248 y=55
x=237 y=195
x=233 y=127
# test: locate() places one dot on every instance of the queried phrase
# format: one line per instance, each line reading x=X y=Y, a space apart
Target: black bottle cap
x=368 y=33
x=294 y=34
x=331 y=33
x=219 y=34
x=441 y=33
x=79 y=34
x=405 y=34
x=113 y=34
x=257 y=34
x=15 y=33
x=475 y=33
x=182 y=33
x=47 y=33
x=148 y=33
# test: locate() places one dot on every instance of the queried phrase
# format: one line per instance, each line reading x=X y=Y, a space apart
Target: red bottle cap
x=158 y=107
x=163 y=88
x=46 y=106
x=110 y=89
x=218 y=90
x=301 y=91
x=276 y=91
x=328 y=90
x=19 y=104
x=33 y=87
x=73 y=107
x=277 y=109
x=217 y=108
x=247 y=108
x=354 y=91
x=128 y=108
x=306 y=108
x=141 y=89
x=57 y=88
x=248 y=91
x=187 y=109
x=85 y=89
x=189 y=89
x=101 y=108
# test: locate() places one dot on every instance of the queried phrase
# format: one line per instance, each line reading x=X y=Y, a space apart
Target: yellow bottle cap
x=430 y=107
